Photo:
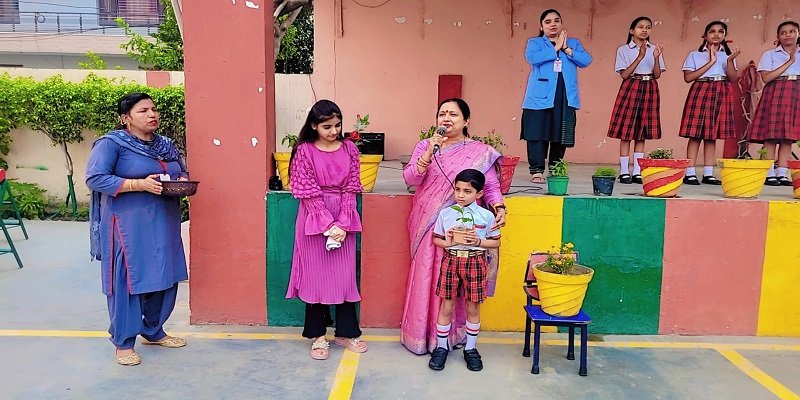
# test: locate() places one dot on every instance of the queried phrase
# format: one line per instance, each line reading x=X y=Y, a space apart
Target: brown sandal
x=538 y=178
x=129 y=360
x=319 y=349
x=167 y=341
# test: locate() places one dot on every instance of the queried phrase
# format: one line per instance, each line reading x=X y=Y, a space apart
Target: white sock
x=637 y=170
x=472 y=335
x=442 y=333
x=782 y=171
x=623 y=165
x=708 y=170
x=771 y=172
x=690 y=171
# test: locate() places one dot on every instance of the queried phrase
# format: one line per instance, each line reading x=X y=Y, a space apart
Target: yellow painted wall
x=779 y=308
x=534 y=223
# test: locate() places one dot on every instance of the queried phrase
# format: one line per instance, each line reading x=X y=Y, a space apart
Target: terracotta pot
x=508 y=165
x=794 y=166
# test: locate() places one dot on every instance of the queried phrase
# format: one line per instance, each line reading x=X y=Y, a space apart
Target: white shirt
x=627 y=53
x=482 y=220
x=774 y=58
x=697 y=59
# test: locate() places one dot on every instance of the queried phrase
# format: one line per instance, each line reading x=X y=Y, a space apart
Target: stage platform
x=390 y=181
x=699 y=264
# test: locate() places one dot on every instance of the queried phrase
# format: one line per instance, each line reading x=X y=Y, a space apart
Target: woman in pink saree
x=432 y=173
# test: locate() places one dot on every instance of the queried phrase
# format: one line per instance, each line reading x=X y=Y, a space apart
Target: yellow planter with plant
x=743 y=179
x=282 y=159
x=562 y=282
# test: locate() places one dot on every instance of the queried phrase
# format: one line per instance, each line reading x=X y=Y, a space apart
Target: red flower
x=354 y=136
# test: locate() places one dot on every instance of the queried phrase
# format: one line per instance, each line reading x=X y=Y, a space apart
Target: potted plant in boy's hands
x=558 y=180
x=508 y=164
x=603 y=181
x=282 y=158
x=460 y=231
x=562 y=283
x=744 y=178
x=662 y=175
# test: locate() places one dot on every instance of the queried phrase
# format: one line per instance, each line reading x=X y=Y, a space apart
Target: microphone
x=439 y=131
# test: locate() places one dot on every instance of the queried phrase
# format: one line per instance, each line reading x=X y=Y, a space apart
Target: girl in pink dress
x=324 y=171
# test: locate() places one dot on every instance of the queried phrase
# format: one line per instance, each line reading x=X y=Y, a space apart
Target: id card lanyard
x=557 y=65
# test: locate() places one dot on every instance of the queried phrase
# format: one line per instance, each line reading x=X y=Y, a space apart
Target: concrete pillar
x=230 y=115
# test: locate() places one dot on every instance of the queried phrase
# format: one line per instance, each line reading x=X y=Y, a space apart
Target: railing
x=67 y=23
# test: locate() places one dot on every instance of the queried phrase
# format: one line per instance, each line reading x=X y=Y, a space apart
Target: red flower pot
x=507 y=167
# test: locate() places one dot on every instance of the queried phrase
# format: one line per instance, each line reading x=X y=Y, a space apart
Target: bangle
x=499 y=206
x=479 y=242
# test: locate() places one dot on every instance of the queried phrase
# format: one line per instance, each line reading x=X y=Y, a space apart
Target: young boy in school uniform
x=463 y=265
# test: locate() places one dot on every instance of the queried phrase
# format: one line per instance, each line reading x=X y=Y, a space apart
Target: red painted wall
x=385 y=259
x=229 y=105
x=713 y=259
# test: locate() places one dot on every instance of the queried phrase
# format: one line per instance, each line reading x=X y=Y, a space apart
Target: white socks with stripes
x=442 y=332
x=472 y=335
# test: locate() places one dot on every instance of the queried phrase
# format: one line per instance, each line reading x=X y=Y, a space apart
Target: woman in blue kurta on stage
x=136 y=232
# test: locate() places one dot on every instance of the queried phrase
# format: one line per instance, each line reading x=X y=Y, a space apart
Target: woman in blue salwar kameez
x=136 y=232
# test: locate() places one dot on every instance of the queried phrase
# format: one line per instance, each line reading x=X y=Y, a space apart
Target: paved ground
x=53 y=345
x=390 y=180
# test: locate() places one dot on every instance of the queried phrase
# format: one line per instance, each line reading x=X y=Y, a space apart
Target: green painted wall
x=282 y=213
x=622 y=240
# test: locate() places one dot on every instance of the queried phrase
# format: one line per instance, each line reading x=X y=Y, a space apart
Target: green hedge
x=62 y=110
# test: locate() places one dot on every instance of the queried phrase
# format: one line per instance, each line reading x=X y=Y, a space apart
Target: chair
x=9 y=204
x=535 y=315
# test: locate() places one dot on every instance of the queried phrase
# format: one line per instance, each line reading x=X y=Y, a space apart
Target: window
x=135 y=12
x=9 y=11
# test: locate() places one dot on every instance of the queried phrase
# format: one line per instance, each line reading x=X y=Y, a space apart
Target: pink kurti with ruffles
x=326 y=183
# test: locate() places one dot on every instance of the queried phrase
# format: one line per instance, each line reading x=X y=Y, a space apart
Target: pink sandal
x=319 y=349
x=356 y=345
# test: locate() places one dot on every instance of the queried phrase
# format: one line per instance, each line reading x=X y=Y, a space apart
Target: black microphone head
x=441 y=130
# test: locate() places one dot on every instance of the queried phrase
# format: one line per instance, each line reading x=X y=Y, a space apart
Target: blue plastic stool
x=540 y=319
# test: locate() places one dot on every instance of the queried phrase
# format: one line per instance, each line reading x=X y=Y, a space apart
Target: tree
x=163 y=54
x=296 y=53
x=284 y=14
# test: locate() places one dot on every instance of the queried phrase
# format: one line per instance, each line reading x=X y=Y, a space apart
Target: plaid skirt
x=636 y=111
x=462 y=275
x=708 y=113
x=778 y=114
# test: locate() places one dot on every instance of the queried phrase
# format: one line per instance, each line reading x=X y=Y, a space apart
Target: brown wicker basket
x=179 y=188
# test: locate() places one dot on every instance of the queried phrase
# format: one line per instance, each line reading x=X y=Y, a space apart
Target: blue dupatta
x=161 y=148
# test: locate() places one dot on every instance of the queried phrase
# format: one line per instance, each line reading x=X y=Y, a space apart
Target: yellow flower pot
x=562 y=295
x=282 y=161
x=743 y=179
x=369 y=170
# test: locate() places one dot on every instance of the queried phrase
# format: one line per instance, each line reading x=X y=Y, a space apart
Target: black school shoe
x=637 y=179
x=691 y=180
x=711 y=180
x=438 y=359
x=473 y=359
x=625 y=179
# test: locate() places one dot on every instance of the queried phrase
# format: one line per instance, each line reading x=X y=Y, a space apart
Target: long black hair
x=320 y=112
x=462 y=105
x=544 y=15
x=125 y=104
x=784 y=23
x=723 y=43
x=633 y=26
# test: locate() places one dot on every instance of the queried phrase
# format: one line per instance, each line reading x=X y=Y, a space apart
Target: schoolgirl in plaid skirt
x=708 y=113
x=636 y=116
x=777 y=119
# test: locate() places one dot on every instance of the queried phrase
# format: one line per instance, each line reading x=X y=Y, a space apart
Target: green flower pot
x=557 y=185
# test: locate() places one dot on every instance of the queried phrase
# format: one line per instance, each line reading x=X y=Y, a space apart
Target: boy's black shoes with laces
x=438 y=358
x=473 y=359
